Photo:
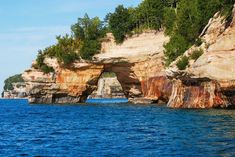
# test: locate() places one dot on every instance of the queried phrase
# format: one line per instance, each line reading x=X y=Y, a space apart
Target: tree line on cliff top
x=182 y=21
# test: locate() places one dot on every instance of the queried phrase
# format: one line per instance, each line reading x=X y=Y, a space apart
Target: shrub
x=65 y=50
x=41 y=65
x=40 y=59
x=176 y=47
x=46 y=69
x=198 y=42
x=196 y=54
x=69 y=58
x=183 y=63
x=108 y=74
x=89 y=49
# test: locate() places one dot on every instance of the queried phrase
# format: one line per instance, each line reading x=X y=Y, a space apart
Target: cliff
x=18 y=91
x=14 y=87
x=210 y=80
x=207 y=82
x=138 y=64
x=65 y=85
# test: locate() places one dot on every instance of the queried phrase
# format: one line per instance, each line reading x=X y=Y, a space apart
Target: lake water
x=105 y=129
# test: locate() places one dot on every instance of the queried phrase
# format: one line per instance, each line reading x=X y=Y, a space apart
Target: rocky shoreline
x=208 y=82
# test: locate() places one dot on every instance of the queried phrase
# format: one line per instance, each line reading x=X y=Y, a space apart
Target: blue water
x=107 y=101
x=114 y=130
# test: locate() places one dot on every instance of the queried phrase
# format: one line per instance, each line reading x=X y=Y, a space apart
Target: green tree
x=184 y=31
x=89 y=49
x=8 y=83
x=89 y=31
x=88 y=28
x=169 y=19
x=40 y=59
x=190 y=19
x=119 y=23
x=175 y=47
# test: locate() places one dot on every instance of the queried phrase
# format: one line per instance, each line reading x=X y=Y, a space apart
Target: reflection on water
x=105 y=129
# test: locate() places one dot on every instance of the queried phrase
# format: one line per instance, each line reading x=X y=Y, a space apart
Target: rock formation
x=138 y=64
x=108 y=87
x=66 y=85
x=18 y=91
x=210 y=80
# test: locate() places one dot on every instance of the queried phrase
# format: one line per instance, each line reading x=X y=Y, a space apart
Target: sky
x=29 y=25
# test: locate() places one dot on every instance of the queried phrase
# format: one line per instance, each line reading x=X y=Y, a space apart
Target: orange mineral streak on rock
x=137 y=59
x=144 y=79
x=157 y=88
x=138 y=63
x=77 y=81
x=209 y=81
x=199 y=95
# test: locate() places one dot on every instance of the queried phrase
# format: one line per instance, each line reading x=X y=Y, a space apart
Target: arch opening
x=108 y=87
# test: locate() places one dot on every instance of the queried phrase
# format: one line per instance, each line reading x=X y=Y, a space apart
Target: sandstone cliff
x=63 y=86
x=18 y=91
x=210 y=80
x=138 y=64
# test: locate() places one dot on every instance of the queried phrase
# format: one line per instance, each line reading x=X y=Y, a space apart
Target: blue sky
x=29 y=25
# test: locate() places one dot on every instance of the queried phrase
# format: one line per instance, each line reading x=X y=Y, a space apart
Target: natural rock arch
x=138 y=64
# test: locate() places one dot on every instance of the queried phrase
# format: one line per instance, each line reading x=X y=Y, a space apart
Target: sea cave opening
x=108 y=89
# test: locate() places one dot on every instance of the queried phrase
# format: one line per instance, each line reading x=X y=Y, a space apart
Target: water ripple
x=114 y=130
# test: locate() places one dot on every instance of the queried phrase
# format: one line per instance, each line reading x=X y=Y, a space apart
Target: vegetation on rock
x=89 y=31
x=182 y=20
x=120 y=23
x=108 y=75
x=8 y=83
x=148 y=15
x=189 y=20
x=83 y=43
x=196 y=54
x=183 y=63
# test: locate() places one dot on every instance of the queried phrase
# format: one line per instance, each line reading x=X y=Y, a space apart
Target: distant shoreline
x=13 y=98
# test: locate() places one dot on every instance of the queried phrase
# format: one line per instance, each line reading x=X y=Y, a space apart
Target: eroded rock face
x=208 y=82
x=18 y=91
x=108 y=87
x=215 y=66
x=199 y=94
x=138 y=64
x=157 y=89
x=64 y=86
